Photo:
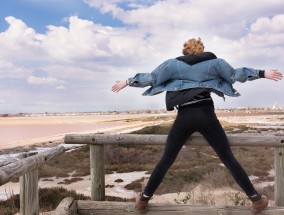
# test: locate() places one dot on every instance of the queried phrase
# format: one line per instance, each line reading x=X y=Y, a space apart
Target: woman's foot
x=142 y=203
x=259 y=203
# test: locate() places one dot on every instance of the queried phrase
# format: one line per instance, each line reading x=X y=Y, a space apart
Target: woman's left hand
x=119 y=85
x=273 y=74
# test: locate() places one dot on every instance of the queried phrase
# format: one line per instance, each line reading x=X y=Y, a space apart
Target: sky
x=65 y=55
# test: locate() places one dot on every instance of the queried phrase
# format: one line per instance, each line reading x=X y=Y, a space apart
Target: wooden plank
x=279 y=175
x=125 y=208
x=150 y=139
x=8 y=161
x=20 y=167
x=68 y=206
x=29 y=201
x=97 y=166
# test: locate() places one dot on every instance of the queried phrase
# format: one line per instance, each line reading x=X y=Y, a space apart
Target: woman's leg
x=217 y=138
x=176 y=139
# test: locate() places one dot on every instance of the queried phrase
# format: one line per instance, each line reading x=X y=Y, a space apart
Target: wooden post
x=97 y=166
x=29 y=201
x=279 y=175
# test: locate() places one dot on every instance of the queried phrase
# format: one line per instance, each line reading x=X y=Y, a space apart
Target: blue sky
x=40 y=13
x=64 y=55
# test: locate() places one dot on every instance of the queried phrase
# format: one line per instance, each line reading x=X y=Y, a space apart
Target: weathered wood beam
x=7 y=161
x=127 y=208
x=68 y=206
x=279 y=175
x=29 y=199
x=150 y=139
x=21 y=167
x=97 y=170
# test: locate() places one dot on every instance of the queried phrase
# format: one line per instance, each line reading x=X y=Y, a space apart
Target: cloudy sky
x=64 y=55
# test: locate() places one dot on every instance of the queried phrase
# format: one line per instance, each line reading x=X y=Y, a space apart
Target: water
x=11 y=133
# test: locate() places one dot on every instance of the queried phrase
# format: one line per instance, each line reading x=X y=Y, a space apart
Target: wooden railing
x=27 y=170
x=97 y=142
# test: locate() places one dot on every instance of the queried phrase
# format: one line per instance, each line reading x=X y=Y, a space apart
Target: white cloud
x=83 y=39
x=19 y=38
x=269 y=25
x=61 y=87
x=90 y=56
x=5 y=65
x=262 y=46
x=195 y=14
x=43 y=80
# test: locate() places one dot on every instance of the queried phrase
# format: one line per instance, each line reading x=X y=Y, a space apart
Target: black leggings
x=200 y=119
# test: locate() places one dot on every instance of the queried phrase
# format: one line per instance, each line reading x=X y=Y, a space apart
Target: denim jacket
x=173 y=75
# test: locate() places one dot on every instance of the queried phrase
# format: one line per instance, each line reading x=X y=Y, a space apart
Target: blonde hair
x=193 y=46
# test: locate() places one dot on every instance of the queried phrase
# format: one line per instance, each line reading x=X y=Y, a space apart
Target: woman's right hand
x=273 y=74
x=119 y=85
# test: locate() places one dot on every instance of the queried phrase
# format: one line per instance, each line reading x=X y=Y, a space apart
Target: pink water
x=10 y=133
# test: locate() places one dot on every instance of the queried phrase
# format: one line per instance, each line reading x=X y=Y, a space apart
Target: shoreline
x=108 y=125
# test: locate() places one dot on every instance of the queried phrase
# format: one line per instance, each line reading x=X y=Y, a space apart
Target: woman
x=189 y=80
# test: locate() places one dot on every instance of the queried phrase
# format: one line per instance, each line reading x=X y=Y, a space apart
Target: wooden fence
x=97 y=142
x=27 y=170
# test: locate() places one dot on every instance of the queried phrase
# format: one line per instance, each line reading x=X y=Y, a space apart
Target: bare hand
x=273 y=74
x=119 y=85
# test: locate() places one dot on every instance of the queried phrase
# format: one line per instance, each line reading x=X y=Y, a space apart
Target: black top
x=175 y=98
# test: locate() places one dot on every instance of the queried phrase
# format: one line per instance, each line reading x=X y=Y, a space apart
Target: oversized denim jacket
x=173 y=75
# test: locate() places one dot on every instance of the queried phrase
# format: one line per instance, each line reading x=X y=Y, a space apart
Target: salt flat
x=29 y=130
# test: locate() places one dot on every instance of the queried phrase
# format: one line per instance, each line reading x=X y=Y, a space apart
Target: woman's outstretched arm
x=164 y=72
x=231 y=75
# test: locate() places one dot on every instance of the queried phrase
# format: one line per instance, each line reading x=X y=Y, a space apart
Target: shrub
x=69 y=181
x=238 y=199
x=135 y=185
x=49 y=199
x=218 y=178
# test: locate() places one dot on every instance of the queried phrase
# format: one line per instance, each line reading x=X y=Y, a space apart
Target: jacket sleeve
x=141 y=80
x=231 y=75
x=163 y=73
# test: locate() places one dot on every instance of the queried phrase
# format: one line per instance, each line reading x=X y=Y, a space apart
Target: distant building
x=276 y=107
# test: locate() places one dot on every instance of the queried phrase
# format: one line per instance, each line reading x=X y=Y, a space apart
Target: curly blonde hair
x=193 y=46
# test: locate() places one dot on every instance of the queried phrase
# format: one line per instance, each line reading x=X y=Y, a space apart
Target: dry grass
x=69 y=181
x=193 y=163
x=49 y=199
